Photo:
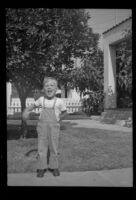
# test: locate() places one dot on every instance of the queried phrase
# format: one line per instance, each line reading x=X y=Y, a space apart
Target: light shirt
x=48 y=103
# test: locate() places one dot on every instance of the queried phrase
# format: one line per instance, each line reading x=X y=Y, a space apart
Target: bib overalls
x=48 y=130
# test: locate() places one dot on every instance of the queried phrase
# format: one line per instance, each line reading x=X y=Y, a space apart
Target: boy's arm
x=30 y=108
x=63 y=110
x=63 y=114
x=27 y=111
x=33 y=106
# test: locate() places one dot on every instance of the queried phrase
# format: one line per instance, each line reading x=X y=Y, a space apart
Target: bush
x=94 y=103
x=78 y=113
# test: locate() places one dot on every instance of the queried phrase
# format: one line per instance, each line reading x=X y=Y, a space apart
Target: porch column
x=8 y=92
x=110 y=76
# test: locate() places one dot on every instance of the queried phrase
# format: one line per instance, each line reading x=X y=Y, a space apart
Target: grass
x=81 y=149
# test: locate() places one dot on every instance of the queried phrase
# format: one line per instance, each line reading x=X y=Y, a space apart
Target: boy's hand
x=26 y=112
x=63 y=114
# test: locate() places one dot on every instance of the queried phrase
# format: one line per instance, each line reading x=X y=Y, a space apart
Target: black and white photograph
x=69 y=97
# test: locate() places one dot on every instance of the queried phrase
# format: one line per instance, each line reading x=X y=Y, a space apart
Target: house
x=111 y=38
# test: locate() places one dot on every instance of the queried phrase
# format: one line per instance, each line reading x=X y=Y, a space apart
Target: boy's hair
x=46 y=79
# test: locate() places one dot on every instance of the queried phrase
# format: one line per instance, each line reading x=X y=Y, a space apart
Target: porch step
x=120 y=117
x=117 y=114
x=108 y=120
x=95 y=117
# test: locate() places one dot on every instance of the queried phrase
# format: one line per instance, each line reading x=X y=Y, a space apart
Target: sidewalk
x=105 y=178
x=90 y=123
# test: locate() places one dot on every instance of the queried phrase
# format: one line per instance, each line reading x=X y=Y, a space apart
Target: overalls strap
x=54 y=103
x=43 y=102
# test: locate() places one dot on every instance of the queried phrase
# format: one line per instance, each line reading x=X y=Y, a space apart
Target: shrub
x=94 y=103
x=78 y=113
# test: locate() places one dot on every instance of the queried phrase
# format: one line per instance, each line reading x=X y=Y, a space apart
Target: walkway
x=88 y=123
x=105 y=178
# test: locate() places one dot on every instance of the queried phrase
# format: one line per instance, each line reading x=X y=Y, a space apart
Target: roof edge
x=117 y=24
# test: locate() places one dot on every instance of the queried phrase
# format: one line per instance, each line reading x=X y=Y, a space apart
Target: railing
x=72 y=105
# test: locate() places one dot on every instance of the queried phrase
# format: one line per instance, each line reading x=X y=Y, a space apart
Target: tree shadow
x=32 y=134
x=14 y=131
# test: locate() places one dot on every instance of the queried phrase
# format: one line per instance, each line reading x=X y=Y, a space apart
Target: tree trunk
x=23 y=92
x=23 y=123
x=66 y=90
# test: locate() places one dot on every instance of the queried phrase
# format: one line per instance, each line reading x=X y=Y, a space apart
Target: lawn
x=81 y=149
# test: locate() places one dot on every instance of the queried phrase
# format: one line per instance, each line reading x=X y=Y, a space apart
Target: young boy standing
x=48 y=127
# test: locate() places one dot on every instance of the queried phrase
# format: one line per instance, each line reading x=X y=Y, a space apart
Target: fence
x=72 y=105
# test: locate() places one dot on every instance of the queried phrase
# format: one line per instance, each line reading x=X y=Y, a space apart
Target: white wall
x=8 y=93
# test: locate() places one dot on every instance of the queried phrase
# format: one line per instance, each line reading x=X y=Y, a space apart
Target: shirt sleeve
x=38 y=102
x=62 y=105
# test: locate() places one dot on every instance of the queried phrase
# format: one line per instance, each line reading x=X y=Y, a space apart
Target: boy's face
x=50 y=88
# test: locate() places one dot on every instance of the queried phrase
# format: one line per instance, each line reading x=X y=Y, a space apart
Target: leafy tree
x=89 y=81
x=90 y=75
x=39 y=41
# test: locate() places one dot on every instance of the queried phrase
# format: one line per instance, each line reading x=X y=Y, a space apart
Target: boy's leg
x=42 y=149
x=53 y=139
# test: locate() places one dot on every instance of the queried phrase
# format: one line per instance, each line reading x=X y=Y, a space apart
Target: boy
x=48 y=127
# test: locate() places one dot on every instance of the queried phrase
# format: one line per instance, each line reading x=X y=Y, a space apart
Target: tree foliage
x=90 y=75
x=39 y=41
x=89 y=81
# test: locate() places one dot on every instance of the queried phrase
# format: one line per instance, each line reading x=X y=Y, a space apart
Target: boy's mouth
x=50 y=92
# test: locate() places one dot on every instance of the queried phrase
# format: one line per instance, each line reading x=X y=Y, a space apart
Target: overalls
x=48 y=130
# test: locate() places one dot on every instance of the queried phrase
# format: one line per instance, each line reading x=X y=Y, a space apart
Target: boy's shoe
x=40 y=172
x=55 y=172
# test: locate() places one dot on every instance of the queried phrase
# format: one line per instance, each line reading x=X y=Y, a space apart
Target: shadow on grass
x=14 y=131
